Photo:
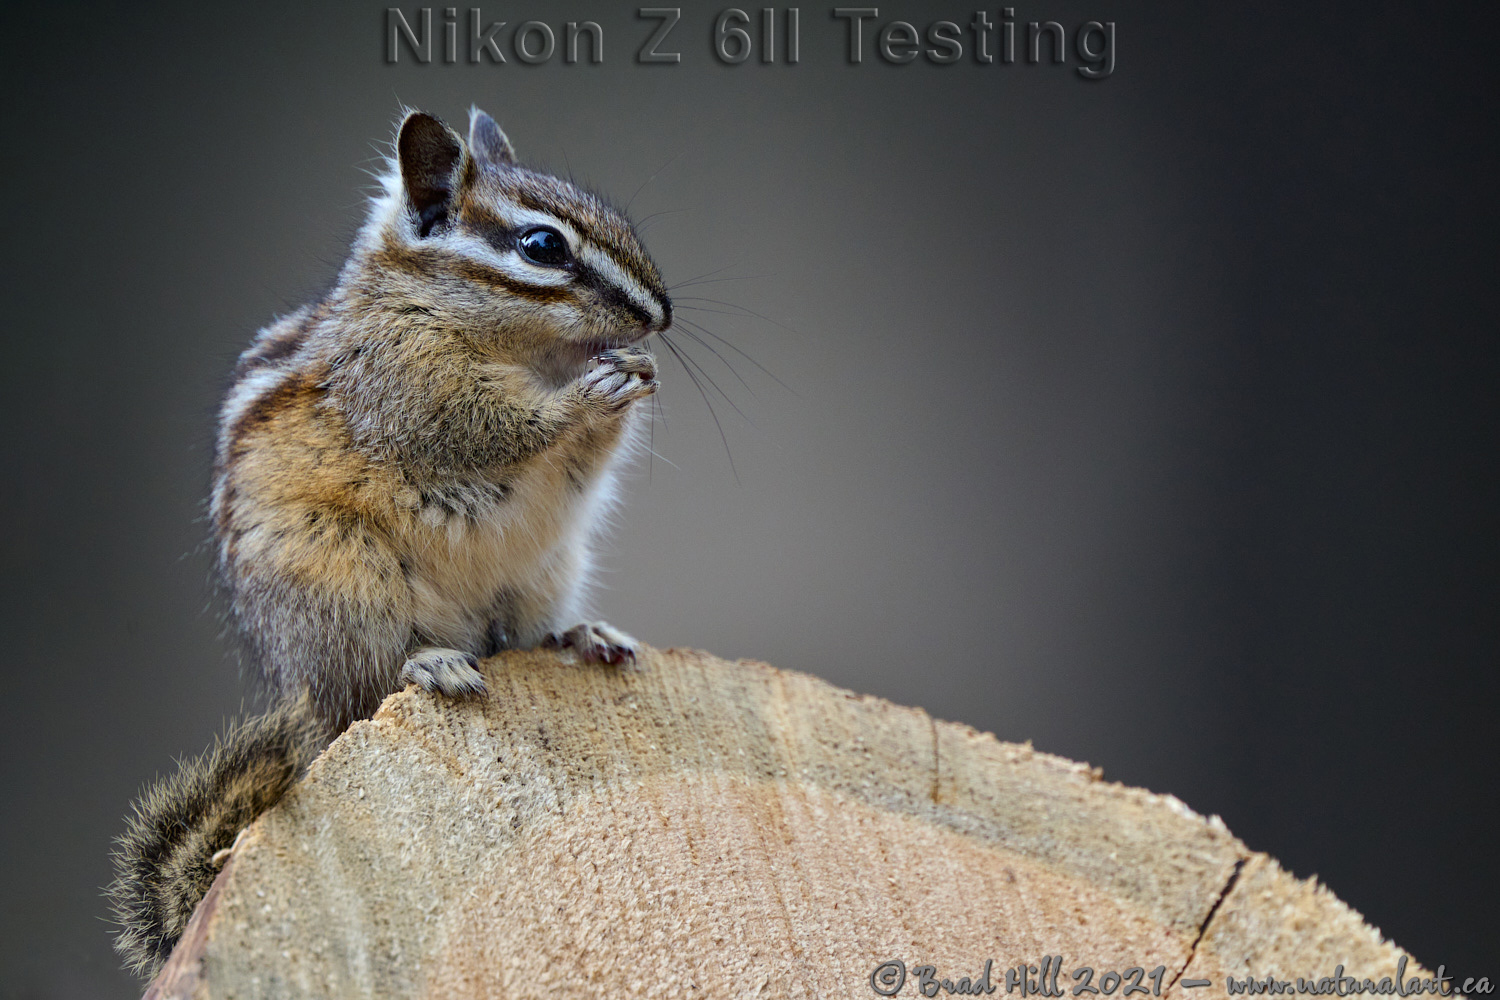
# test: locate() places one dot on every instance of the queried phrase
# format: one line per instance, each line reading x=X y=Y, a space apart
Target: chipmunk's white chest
x=520 y=555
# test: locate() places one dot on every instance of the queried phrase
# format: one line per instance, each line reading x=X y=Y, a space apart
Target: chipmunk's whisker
x=730 y=344
x=682 y=360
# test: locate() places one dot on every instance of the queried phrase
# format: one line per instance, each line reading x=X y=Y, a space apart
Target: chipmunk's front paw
x=449 y=671
x=595 y=642
x=616 y=379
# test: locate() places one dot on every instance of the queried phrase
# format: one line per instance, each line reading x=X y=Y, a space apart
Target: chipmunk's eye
x=544 y=245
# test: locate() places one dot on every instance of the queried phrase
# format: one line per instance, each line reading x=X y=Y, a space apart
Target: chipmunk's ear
x=432 y=162
x=487 y=141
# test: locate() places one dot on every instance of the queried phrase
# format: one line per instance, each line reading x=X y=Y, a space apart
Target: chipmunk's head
x=550 y=273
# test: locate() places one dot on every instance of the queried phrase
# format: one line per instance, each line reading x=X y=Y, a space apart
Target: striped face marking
x=540 y=233
x=554 y=266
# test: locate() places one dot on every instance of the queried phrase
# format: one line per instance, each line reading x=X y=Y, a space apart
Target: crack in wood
x=1213 y=911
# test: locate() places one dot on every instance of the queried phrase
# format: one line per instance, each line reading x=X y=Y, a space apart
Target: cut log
x=693 y=827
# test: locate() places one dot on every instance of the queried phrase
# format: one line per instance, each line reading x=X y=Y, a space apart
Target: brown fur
x=410 y=471
x=413 y=468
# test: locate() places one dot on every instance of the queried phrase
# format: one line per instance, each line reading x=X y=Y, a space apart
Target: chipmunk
x=409 y=475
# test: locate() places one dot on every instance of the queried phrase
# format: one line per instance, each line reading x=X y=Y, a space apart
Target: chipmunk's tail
x=165 y=861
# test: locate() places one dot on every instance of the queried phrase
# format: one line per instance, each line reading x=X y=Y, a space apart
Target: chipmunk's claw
x=595 y=642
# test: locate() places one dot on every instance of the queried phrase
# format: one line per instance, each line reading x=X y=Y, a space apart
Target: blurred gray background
x=1149 y=419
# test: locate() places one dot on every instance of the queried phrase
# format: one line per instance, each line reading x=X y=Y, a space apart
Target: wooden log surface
x=690 y=827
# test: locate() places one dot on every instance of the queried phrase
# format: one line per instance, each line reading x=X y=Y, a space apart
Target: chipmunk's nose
x=655 y=314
